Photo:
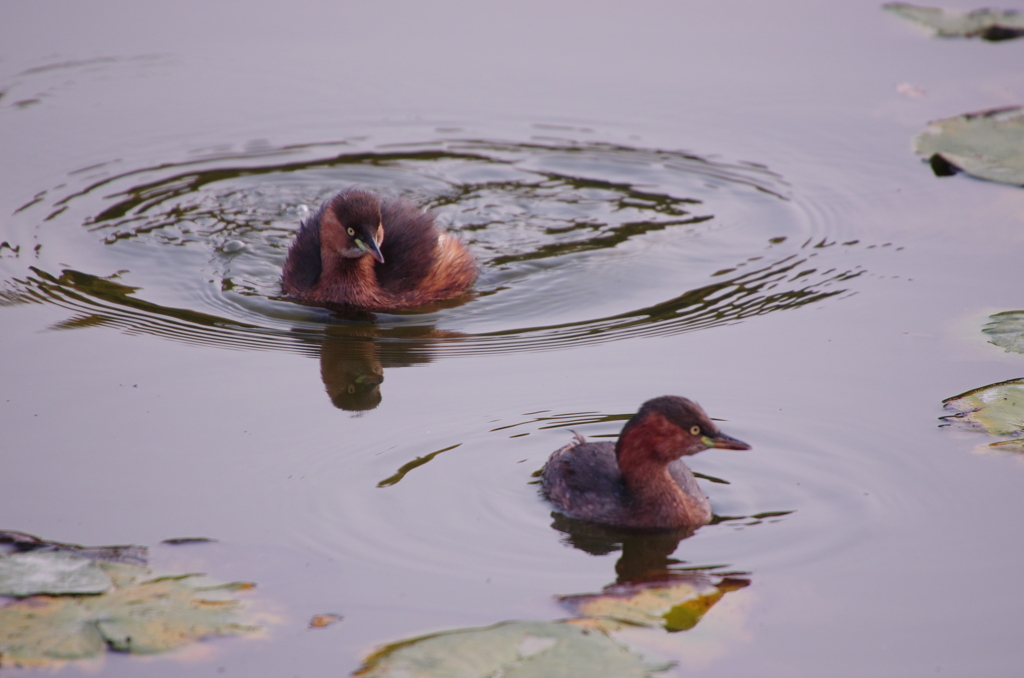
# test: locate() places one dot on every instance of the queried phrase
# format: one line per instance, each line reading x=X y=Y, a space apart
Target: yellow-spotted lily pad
x=996 y=409
x=987 y=24
x=141 y=613
x=526 y=649
x=674 y=606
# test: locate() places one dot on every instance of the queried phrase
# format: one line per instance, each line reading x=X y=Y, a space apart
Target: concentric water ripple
x=406 y=505
x=578 y=244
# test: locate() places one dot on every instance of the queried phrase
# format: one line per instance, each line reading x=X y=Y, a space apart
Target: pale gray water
x=714 y=200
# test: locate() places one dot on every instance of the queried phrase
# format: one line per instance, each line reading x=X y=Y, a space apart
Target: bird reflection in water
x=651 y=588
x=353 y=360
x=351 y=372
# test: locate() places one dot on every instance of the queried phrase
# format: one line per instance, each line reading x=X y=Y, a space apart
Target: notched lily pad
x=674 y=606
x=996 y=409
x=987 y=144
x=987 y=24
x=141 y=613
x=1006 y=330
x=528 y=649
x=50 y=572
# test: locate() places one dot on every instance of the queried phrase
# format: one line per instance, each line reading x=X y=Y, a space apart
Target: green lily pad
x=1006 y=330
x=987 y=24
x=996 y=409
x=987 y=144
x=529 y=649
x=141 y=614
x=50 y=572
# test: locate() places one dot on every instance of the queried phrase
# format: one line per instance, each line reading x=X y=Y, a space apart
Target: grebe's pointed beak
x=725 y=442
x=370 y=248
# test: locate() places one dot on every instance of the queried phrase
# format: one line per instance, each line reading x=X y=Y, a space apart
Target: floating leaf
x=181 y=541
x=50 y=572
x=21 y=542
x=987 y=144
x=1014 y=444
x=987 y=24
x=140 y=614
x=997 y=409
x=320 y=621
x=530 y=649
x=1006 y=330
x=675 y=606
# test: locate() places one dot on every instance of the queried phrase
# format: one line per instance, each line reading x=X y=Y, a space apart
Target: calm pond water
x=716 y=200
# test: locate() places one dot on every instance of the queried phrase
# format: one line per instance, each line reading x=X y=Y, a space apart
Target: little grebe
x=358 y=250
x=640 y=481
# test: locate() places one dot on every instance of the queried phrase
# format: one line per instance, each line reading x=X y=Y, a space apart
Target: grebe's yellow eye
x=695 y=430
x=351 y=231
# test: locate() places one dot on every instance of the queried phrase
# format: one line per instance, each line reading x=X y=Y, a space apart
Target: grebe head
x=667 y=428
x=351 y=225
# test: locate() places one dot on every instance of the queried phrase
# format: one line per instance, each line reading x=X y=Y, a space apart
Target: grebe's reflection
x=351 y=372
x=353 y=360
x=646 y=555
x=651 y=588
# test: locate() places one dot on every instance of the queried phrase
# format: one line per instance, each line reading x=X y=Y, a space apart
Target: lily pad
x=674 y=606
x=987 y=144
x=987 y=24
x=527 y=649
x=996 y=409
x=1006 y=330
x=50 y=572
x=19 y=542
x=142 y=614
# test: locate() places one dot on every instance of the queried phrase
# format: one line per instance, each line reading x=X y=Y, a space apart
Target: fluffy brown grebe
x=640 y=481
x=360 y=251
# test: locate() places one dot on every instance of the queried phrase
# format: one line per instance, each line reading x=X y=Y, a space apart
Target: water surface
x=717 y=202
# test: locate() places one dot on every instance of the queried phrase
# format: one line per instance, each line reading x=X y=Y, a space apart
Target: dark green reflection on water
x=565 y=420
x=102 y=301
x=415 y=463
x=355 y=352
x=137 y=200
x=525 y=208
x=732 y=300
x=511 y=202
